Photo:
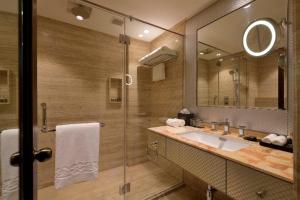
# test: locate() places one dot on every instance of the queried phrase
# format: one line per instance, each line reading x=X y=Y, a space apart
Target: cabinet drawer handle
x=260 y=194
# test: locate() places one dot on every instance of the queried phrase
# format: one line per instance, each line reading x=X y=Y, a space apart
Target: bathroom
x=131 y=100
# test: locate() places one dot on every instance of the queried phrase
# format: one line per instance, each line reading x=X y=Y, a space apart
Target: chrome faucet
x=226 y=125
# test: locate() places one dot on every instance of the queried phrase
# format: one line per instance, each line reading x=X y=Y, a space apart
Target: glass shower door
x=150 y=99
x=81 y=80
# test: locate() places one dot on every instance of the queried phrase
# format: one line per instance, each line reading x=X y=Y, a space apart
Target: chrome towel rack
x=44 y=128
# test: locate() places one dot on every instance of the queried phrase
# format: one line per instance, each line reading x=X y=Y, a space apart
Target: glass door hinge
x=124 y=39
x=123 y=189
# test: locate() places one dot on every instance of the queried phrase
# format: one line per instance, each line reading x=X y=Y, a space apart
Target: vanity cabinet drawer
x=205 y=166
x=244 y=183
x=157 y=143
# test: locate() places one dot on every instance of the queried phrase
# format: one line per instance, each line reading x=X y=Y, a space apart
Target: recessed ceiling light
x=176 y=40
x=146 y=31
x=79 y=17
x=218 y=54
x=201 y=53
x=247 y=6
x=81 y=12
x=141 y=35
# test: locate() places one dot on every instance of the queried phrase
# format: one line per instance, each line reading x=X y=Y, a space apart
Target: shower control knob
x=43 y=154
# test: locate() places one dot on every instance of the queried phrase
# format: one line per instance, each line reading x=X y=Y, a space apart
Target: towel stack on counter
x=275 y=139
x=174 y=122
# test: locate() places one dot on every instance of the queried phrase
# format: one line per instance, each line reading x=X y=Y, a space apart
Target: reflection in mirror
x=228 y=75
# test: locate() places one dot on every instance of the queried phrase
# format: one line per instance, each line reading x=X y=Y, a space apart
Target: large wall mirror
x=242 y=58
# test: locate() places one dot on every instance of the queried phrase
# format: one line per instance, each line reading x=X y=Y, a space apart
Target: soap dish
x=288 y=147
x=251 y=138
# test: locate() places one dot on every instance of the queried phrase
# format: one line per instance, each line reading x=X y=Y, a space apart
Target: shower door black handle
x=41 y=155
x=15 y=159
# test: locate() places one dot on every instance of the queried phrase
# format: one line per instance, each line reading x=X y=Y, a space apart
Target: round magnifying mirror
x=260 y=37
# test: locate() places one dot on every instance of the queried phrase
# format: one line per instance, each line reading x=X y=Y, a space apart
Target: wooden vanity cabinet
x=235 y=180
x=205 y=166
x=244 y=183
x=157 y=143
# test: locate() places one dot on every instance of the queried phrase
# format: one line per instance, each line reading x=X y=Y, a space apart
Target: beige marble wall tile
x=166 y=96
x=74 y=65
x=9 y=60
x=74 y=85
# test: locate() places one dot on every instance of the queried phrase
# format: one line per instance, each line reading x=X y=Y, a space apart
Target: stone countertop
x=270 y=161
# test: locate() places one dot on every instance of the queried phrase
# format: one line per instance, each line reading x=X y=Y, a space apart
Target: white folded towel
x=175 y=122
x=9 y=174
x=185 y=111
x=269 y=138
x=280 y=140
x=77 y=153
x=158 y=72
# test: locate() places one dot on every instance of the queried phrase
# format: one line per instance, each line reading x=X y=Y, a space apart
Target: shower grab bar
x=45 y=122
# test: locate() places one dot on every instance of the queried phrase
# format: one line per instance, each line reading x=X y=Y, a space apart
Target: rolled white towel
x=175 y=122
x=280 y=140
x=269 y=138
x=185 y=111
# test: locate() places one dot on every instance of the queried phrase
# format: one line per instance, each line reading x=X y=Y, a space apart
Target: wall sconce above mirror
x=242 y=58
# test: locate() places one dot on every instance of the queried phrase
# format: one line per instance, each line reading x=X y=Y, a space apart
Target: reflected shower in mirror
x=229 y=74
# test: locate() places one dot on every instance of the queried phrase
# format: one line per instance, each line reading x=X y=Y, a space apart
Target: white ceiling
x=227 y=33
x=164 y=13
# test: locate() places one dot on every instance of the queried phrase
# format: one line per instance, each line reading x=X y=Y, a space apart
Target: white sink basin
x=219 y=142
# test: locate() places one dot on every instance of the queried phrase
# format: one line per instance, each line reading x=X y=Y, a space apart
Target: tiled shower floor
x=146 y=180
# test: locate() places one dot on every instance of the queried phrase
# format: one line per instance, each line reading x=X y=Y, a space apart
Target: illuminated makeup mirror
x=260 y=37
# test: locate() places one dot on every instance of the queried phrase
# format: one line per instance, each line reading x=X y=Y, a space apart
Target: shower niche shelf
x=4 y=86
x=115 y=89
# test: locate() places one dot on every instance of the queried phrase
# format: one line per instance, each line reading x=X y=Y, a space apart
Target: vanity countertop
x=270 y=161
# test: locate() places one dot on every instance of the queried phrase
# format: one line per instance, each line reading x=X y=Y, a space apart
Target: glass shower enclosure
x=91 y=71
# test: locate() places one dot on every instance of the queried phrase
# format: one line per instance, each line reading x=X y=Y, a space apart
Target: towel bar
x=52 y=130
x=44 y=120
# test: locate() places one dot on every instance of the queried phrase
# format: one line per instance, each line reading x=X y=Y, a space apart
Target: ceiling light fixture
x=146 y=31
x=141 y=35
x=270 y=24
x=201 y=53
x=81 y=12
x=79 y=17
x=218 y=54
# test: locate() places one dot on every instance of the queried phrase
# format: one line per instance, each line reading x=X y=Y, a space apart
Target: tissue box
x=186 y=117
